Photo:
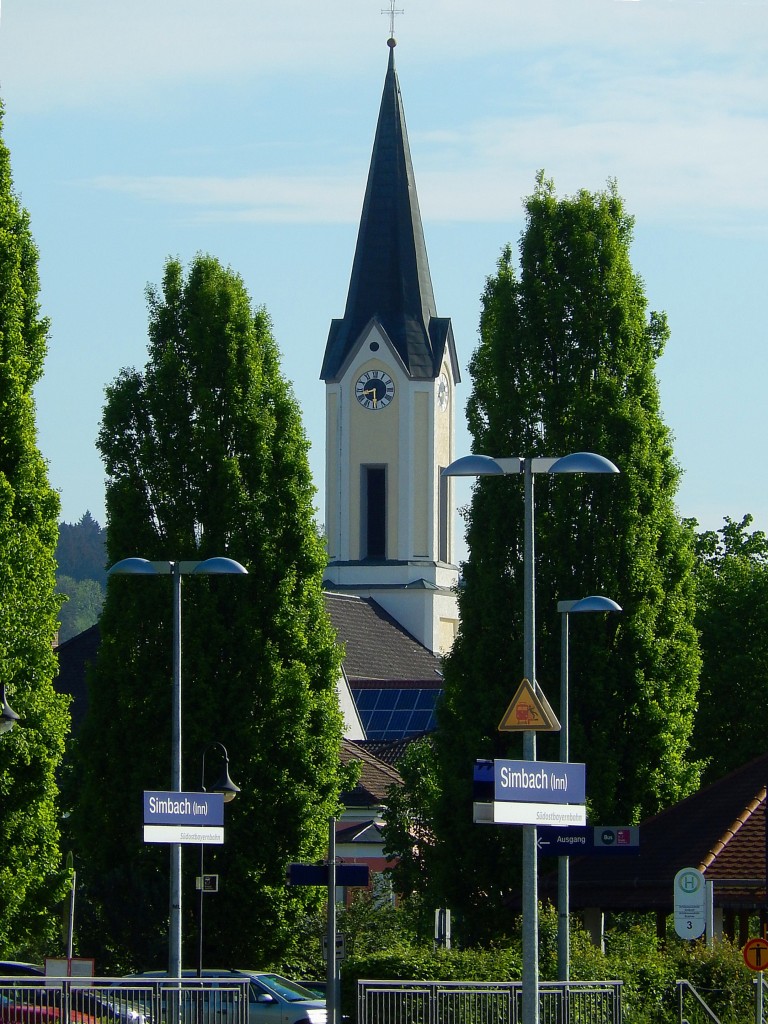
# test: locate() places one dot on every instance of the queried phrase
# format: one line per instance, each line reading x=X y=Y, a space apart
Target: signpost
x=527 y=813
x=529 y=793
x=529 y=711
x=588 y=841
x=183 y=817
x=317 y=874
x=690 y=903
x=542 y=781
x=755 y=954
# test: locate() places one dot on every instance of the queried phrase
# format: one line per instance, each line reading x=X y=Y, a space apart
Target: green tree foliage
x=30 y=878
x=84 y=601
x=81 y=550
x=408 y=832
x=732 y=618
x=566 y=362
x=81 y=575
x=205 y=456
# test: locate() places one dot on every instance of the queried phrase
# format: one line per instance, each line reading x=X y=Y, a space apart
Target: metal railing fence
x=466 y=1002
x=49 y=1000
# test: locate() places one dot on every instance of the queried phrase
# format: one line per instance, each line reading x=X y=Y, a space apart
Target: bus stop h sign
x=690 y=903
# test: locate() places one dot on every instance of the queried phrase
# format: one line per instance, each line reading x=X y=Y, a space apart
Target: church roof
x=377 y=648
x=400 y=677
x=390 y=284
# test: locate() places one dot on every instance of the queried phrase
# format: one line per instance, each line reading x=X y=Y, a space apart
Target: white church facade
x=390 y=371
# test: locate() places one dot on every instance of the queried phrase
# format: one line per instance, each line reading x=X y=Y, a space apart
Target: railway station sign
x=589 y=840
x=554 y=782
x=196 y=818
x=506 y=812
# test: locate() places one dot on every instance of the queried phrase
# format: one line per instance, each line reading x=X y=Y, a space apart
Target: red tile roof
x=721 y=830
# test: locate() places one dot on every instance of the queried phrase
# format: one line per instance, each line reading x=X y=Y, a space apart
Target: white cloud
x=90 y=53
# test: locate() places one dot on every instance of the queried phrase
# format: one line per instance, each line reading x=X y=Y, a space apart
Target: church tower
x=390 y=371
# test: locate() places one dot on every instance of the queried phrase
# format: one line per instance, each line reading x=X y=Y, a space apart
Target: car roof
x=208 y=972
x=20 y=967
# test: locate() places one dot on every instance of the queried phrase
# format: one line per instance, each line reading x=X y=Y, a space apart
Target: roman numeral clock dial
x=374 y=389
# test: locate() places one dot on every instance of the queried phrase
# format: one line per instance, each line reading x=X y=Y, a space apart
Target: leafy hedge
x=632 y=955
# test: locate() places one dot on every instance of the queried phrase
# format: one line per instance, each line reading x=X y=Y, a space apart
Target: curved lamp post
x=217 y=566
x=229 y=791
x=484 y=465
x=595 y=603
x=8 y=717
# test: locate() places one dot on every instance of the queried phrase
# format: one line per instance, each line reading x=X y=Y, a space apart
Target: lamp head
x=225 y=785
x=473 y=465
x=596 y=603
x=8 y=717
x=583 y=462
x=220 y=566
x=132 y=566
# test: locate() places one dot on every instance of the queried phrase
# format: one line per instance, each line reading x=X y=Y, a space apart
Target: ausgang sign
x=183 y=817
x=553 y=782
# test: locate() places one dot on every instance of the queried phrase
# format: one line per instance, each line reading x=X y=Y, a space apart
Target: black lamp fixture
x=225 y=785
x=8 y=717
x=229 y=790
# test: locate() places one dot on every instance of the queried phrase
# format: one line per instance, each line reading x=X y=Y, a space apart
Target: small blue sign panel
x=588 y=840
x=183 y=808
x=552 y=782
x=317 y=874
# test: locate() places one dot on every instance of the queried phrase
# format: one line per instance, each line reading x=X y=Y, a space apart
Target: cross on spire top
x=392 y=12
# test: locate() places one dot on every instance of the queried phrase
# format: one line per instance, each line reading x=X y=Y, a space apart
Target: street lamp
x=143 y=567
x=595 y=603
x=229 y=791
x=484 y=465
x=8 y=717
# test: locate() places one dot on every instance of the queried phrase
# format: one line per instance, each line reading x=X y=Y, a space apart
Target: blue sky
x=243 y=129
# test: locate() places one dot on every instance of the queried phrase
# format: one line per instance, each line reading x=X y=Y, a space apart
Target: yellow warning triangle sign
x=529 y=711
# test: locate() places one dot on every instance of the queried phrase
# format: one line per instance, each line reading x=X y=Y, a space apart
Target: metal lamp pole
x=8 y=717
x=229 y=791
x=586 y=604
x=484 y=465
x=216 y=566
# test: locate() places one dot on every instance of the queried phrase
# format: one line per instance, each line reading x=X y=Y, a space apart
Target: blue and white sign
x=592 y=840
x=180 y=834
x=183 y=808
x=553 y=782
x=507 y=812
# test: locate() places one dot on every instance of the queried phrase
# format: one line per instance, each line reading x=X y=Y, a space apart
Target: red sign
x=756 y=954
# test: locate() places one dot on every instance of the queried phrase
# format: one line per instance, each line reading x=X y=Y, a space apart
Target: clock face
x=374 y=389
x=443 y=392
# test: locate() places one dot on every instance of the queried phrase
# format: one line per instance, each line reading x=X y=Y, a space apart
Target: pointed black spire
x=390 y=280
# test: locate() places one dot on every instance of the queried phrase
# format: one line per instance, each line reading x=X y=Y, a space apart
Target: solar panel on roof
x=393 y=714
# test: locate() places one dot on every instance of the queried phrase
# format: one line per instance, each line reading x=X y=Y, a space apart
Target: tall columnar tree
x=566 y=363
x=30 y=869
x=206 y=456
x=732 y=618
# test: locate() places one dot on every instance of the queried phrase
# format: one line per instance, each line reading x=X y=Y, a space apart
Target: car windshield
x=289 y=990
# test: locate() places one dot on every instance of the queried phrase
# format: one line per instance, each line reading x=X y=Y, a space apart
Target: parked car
x=272 y=999
x=39 y=1001
x=17 y=968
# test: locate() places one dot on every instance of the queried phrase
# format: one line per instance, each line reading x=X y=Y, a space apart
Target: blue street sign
x=588 y=840
x=317 y=874
x=553 y=782
x=183 y=808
